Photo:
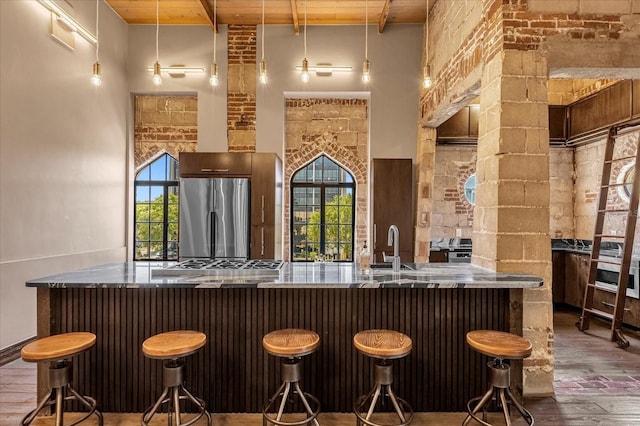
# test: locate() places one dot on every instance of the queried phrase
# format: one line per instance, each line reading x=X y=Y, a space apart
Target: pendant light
x=263 y=64
x=213 y=80
x=157 y=78
x=96 y=77
x=427 y=82
x=366 y=76
x=304 y=76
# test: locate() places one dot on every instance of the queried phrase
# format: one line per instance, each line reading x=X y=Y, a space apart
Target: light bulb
x=157 y=79
x=366 y=76
x=427 y=82
x=305 y=71
x=213 y=80
x=96 y=78
x=263 y=72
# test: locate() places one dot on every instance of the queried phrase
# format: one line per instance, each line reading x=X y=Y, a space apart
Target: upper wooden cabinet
x=392 y=201
x=202 y=164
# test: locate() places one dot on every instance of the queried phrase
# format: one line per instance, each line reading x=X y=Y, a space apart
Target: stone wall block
x=149 y=103
x=537 y=141
x=510 y=193
x=242 y=138
x=635 y=6
x=358 y=124
x=536 y=193
x=553 y=6
x=348 y=138
x=319 y=111
x=525 y=114
x=509 y=247
x=174 y=104
x=185 y=118
x=536 y=246
x=523 y=166
x=523 y=219
x=609 y=7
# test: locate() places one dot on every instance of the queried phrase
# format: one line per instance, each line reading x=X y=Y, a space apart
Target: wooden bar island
x=435 y=304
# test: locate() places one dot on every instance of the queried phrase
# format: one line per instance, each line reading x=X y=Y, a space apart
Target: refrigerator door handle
x=213 y=235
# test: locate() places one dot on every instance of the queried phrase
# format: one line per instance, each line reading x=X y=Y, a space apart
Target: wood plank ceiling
x=282 y=12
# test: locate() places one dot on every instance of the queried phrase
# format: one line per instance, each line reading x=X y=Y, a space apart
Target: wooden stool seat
x=58 y=347
x=499 y=344
x=383 y=344
x=291 y=342
x=173 y=344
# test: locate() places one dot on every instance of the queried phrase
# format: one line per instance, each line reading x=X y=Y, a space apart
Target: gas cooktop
x=224 y=267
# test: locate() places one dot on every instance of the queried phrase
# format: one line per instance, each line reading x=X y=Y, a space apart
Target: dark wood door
x=392 y=201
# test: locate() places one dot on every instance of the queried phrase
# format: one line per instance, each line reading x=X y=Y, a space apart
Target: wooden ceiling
x=249 y=12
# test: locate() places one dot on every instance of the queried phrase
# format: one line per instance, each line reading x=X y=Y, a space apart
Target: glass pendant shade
x=305 y=71
x=96 y=77
x=427 y=82
x=263 y=72
x=157 y=79
x=366 y=75
x=213 y=80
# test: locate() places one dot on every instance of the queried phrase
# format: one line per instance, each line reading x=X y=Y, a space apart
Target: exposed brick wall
x=241 y=88
x=337 y=128
x=509 y=24
x=164 y=124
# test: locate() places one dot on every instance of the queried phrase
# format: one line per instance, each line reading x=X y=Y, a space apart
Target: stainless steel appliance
x=214 y=218
x=607 y=275
x=222 y=267
x=460 y=250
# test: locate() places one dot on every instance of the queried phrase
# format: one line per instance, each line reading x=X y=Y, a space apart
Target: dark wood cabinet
x=392 y=203
x=266 y=206
x=223 y=164
x=576 y=276
x=559 y=276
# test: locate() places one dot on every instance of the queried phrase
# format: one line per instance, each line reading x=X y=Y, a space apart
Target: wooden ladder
x=588 y=310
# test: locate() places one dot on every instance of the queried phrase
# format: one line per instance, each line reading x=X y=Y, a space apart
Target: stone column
x=425 y=165
x=241 y=88
x=511 y=226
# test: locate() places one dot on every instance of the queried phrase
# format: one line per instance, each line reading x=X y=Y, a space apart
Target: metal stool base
x=59 y=381
x=174 y=392
x=383 y=376
x=291 y=374
x=499 y=378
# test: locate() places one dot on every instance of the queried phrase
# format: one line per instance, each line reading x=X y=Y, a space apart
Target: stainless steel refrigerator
x=214 y=218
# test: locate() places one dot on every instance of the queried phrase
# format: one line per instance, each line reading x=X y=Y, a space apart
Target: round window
x=626 y=176
x=470 y=189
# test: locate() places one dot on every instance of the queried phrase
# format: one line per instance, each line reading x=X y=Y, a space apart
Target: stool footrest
x=285 y=393
x=172 y=396
x=57 y=397
x=364 y=411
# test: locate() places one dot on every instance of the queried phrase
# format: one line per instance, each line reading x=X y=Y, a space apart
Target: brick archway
x=336 y=128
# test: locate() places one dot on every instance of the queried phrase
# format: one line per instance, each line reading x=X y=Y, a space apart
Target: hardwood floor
x=596 y=384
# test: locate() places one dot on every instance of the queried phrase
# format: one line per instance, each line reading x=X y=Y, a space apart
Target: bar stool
x=290 y=345
x=57 y=350
x=500 y=346
x=172 y=347
x=384 y=346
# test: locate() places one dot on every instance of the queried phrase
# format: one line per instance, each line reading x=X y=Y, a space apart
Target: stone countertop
x=291 y=275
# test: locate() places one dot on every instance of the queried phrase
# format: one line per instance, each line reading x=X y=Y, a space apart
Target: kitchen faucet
x=393 y=238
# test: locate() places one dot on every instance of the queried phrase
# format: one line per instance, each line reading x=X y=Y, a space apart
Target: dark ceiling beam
x=294 y=15
x=384 y=15
x=208 y=12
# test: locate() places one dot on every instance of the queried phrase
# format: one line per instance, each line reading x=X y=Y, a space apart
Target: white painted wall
x=63 y=154
x=394 y=90
x=192 y=46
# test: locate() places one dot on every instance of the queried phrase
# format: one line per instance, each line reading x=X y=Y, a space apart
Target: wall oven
x=607 y=276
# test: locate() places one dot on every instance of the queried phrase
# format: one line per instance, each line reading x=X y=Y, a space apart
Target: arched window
x=156 y=210
x=322 y=212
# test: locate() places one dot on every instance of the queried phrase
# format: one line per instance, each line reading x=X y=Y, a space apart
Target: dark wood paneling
x=457 y=126
x=202 y=164
x=266 y=205
x=392 y=201
x=610 y=106
x=234 y=374
x=557 y=123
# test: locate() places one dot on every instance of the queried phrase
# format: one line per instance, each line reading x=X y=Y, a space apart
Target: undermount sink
x=388 y=265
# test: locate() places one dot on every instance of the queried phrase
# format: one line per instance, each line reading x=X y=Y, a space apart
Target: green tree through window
x=322 y=211
x=156 y=210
